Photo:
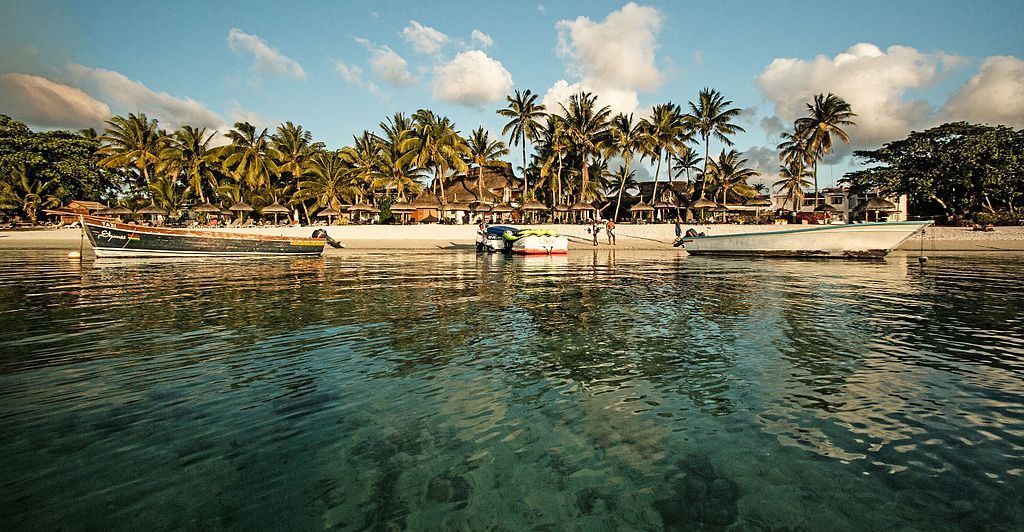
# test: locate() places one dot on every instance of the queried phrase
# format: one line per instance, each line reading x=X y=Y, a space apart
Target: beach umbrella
x=329 y=213
x=639 y=209
x=457 y=206
x=275 y=209
x=241 y=208
x=502 y=208
x=206 y=208
x=426 y=200
x=533 y=207
x=402 y=206
x=362 y=206
x=876 y=205
x=581 y=207
x=153 y=211
x=118 y=212
x=757 y=202
x=703 y=204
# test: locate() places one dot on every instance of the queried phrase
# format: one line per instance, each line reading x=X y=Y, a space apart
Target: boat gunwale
x=925 y=223
x=166 y=231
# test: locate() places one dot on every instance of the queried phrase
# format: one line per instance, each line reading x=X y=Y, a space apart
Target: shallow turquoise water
x=446 y=390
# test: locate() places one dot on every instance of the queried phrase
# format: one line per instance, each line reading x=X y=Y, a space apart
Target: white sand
x=434 y=236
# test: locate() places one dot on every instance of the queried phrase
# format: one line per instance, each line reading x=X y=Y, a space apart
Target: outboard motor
x=322 y=233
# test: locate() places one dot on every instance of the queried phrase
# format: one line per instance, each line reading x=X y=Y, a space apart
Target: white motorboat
x=510 y=239
x=843 y=241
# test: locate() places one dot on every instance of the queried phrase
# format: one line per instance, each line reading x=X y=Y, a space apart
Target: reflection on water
x=449 y=390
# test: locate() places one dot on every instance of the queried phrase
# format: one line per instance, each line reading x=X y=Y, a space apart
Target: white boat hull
x=848 y=240
x=541 y=245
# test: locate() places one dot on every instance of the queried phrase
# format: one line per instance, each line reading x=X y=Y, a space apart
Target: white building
x=840 y=199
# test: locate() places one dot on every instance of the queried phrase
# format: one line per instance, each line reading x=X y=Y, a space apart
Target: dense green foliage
x=43 y=169
x=959 y=171
x=135 y=163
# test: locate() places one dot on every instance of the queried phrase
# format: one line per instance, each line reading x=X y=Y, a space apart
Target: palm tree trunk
x=558 y=180
x=440 y=181
x=704 y=176
x=815 y=183
x=526 y=182
x=657 y=171
x=585 y=172
x=622 y=186
x=480 y=185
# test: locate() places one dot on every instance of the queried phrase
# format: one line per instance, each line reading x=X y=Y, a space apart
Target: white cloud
x=387 y=64
x=472 y=78
x=614 y=58
x=266 y=60
x=994 y=95
x=541 y=8
x=350 y=73
x=764 y=161
x=42 y=102
x=424 y=39
x=619 y=100
x=482 y=39
x=132 y=96
x=617 y=52
x=873 y=81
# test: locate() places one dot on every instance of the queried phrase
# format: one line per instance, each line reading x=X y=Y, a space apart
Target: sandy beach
x=453 y=237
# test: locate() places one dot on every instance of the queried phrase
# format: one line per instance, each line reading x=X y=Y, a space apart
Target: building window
x=809 y=202
x=835 y=200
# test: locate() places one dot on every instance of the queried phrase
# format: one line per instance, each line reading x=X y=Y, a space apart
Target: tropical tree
x=187 y=154
x=826 y=117
x=251 y=157
x=711 y=117
x=484 y=152
x=625 y=139
x=730 y=173
x=586 y=126
x=131 y=142
x=294 y=145
x=525 y=115
x=793 y=180
x=168 y=192
x=555 y=145
x=327 y=180
x=440 y=147
x=666 y=133
x=28 y=193
x=394 y=167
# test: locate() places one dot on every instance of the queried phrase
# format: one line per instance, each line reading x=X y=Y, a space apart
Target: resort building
x=844 y=203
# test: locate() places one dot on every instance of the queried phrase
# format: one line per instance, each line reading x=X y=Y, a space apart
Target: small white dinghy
x=841 y=241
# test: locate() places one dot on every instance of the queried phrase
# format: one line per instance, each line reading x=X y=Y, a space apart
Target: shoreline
x=648 y=237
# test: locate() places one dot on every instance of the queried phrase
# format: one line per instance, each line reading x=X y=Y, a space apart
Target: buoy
x=74 y=255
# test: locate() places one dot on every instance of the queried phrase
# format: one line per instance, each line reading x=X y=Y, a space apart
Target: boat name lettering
x=110 y=236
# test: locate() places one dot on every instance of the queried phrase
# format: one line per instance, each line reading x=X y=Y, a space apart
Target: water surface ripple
x=451 y=391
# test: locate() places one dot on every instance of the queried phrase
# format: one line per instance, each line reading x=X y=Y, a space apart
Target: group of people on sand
x=609 y=229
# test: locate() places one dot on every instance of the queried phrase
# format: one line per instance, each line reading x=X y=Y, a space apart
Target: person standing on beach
x=609 y=228
x=594 y=230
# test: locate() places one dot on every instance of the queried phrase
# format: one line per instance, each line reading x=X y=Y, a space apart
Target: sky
x=338 y=68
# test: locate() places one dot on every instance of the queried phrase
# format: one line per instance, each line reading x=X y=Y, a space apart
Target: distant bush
x=999 y=218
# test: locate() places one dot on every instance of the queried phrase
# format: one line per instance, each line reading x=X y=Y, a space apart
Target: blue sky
x=338 y=68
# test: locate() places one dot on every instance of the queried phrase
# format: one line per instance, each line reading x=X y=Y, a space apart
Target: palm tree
x=294 y=145
x=188 y=154
x=524 y=114
x=29 y=194
x=440 y=147
x=167 y=192
x=710 y=117
x=555 y=145
x=132 y=142
x=625 y=138
x=484 y=152
x=394 y=167
x=792 y=179
x=250 y=158
x=586 y=128
x=731 y=174
x=666 y=133
x=686 y=159
x=825 y=117
x=327 y=180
